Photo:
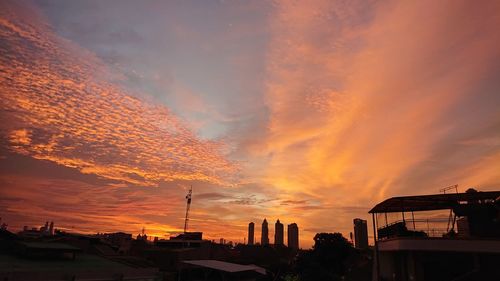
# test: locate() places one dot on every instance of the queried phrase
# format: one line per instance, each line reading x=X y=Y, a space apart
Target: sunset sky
x=307 y=111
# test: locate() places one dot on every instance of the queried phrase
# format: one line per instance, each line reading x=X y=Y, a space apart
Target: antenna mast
x=452 y=218
x=188 y=205
x=443 y=190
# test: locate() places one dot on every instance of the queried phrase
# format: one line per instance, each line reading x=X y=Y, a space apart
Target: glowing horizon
x=310 y=113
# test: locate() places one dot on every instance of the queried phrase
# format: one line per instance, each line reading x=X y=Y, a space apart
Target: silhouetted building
x=458 y=240
x=293 y=236
x=251 y=227
x=34 y=232
x=360 y=234
x=119 y=240
x=42 y=260
x=142 y=237
x=278 y=233
x=182 y=244
x=188 y=236
x=47 y=230
x=51 y=228
x=264 y=235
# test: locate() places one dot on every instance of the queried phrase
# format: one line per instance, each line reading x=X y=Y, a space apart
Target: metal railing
x=432 y=227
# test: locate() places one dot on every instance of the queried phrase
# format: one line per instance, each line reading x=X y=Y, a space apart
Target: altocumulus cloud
x=62 y=104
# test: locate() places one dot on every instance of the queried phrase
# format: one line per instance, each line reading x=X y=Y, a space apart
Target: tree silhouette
x=326 y=260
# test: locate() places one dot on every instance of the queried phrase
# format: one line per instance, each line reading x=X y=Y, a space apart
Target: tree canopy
x=326 y=260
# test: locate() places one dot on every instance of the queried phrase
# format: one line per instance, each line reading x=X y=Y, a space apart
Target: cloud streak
x=371 y=100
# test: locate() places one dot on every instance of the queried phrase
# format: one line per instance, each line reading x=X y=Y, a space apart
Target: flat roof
x=49 y=246
x=84 y=262
x=431 y=202
x=226 y=266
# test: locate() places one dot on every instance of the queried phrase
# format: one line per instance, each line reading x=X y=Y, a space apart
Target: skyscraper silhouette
x=360 y=234
x=251 y=227
x=278 y=233
x=264 y=238
x=293 y=236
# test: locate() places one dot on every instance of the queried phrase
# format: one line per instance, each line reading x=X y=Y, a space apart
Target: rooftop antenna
x=452 y=218
x=443 y=190
x=188 y=205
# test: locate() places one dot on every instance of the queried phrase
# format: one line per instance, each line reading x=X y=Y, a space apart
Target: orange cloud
x=363 y=97
x=76 y=206
x=63 y=109
x=363 y=100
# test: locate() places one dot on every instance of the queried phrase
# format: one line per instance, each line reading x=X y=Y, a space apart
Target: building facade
x=278 y=233
x=360 y=234
x=251 y=227
x=264 y=235
x=293 y=236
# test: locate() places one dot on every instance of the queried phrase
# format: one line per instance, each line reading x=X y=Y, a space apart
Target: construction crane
x=188 y=205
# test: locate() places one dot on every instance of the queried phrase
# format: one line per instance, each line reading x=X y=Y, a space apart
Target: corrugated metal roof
x=226 y=266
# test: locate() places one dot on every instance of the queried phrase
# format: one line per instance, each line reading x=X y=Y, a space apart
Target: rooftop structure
x=437 y=237
x=34 y=232
x=180 y=243
x=188 y=236
x=432 y=202
x=46 y=249
x=84 y=267
x=44 y=259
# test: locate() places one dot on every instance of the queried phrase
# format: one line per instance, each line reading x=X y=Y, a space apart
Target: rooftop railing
x=432 y=227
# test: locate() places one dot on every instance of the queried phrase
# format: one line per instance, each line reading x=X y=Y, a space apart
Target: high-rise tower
x=293 y=236
x=251 y=227
x=278 y=233
x=264 y=237
x=360 y=234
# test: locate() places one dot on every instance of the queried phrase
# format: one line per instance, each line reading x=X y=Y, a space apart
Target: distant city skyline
x=279 y=234
x=306 y=111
